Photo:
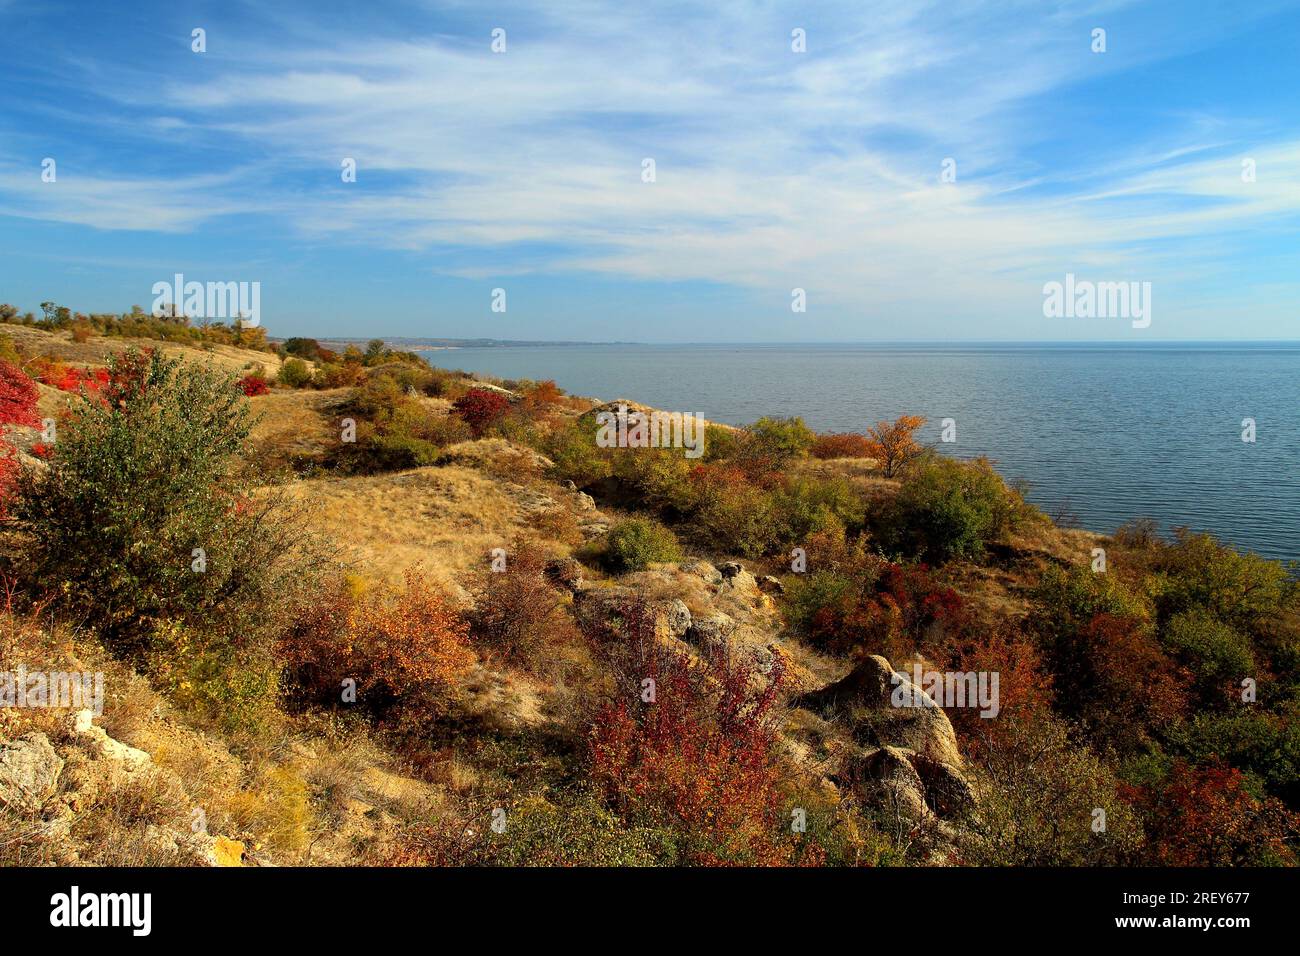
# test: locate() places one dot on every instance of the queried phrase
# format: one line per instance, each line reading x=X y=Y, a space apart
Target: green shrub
x=720 y=443
x=294 y=373
x=1067 y=601
x=733 y=515
x=136 y=483
x=660 y=478
x=638 y=542
x=948 y=509
x=1218 y=655
x=1243 y=590
x=231 y=683
x=397 y=452
x=771 y=443
x=784 y=437
x=576 y=456
x=1265 y=746
x=805 y=506
x=808 y=594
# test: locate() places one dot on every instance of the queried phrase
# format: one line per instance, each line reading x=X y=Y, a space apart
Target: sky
x=774 y=169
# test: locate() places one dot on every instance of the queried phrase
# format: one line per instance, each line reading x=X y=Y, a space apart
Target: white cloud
x=774 y=169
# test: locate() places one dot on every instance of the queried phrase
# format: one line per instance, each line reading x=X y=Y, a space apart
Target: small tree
x=894 y=445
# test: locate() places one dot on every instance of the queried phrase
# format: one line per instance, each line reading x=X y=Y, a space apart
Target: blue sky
x=774 y=169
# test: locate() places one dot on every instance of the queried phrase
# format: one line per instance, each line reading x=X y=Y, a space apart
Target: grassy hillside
x=435 y=622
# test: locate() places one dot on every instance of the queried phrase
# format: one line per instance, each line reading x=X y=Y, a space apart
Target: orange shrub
x=842 y=445
x=405 y=648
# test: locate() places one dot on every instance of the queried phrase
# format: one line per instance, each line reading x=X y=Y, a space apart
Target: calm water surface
x=1105 y=433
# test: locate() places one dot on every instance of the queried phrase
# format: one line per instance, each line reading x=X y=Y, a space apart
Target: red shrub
x=1115 y=679
x=1024 y=687
x=908 y=612
x=699 y=758
x=845 y=445
x=18 y=397
x=68 y=379
x=480 y=407
x=252 y=385
x=1204 y=816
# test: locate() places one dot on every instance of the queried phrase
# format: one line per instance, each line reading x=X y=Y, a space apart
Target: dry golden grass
x=298 y=424
x=96 y=349
x=447 y=519
x=864 y=472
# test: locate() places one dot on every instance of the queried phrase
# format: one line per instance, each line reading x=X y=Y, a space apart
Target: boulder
x=919 y=725
x=29 y=772
x=946 y=790
x=672 y=617
x=770 y=585
x=703 y=570
x=97 y=741
x=604 y=607
x=709 y=630
x=886 y=778
x=565 y=573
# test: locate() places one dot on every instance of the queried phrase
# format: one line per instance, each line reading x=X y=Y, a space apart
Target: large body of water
x=1107 y=433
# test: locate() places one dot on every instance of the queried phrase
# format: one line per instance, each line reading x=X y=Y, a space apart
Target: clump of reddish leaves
x=697 y=754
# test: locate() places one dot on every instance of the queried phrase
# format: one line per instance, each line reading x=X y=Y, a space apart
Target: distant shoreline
x=434 y=345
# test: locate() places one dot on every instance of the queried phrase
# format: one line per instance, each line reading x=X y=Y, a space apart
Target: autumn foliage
x=18 y=397
x=699 y=758
x=480 y=408
x=843 y=445
x=404 y=647
x=1205 y=816
x=894 y=444
x=252 y=385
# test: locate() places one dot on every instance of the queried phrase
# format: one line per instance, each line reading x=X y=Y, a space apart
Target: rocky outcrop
x=606 y=608
x=565 y=573
x=708 y=631
x=871 y=689
x=907 y=759
x=29 y=772
x=50 y=787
